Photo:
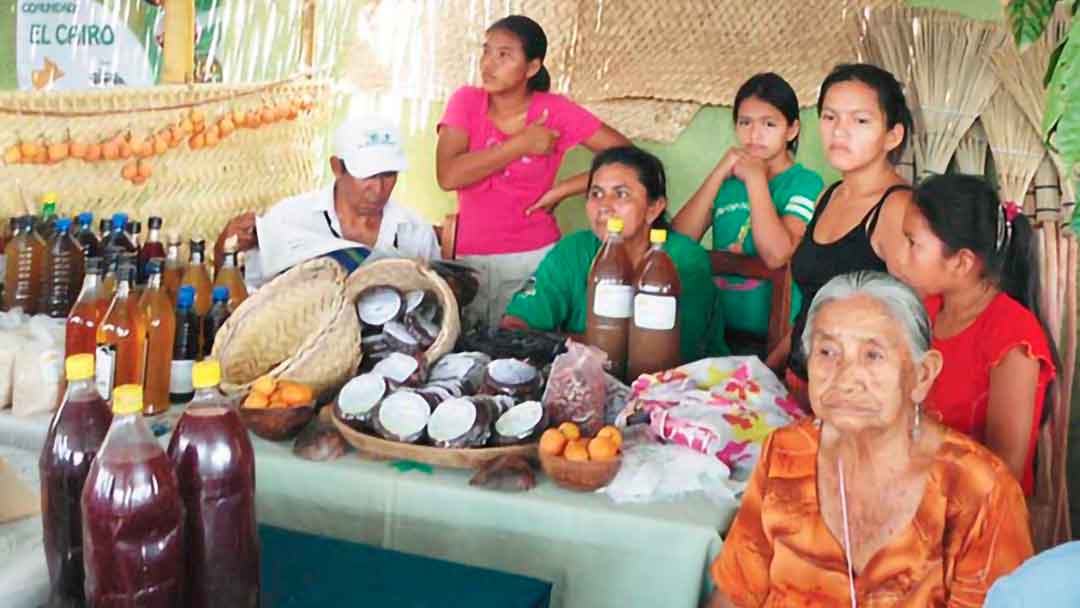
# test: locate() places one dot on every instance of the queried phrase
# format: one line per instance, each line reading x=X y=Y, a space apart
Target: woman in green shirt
x=626 y=183
x=757 y=200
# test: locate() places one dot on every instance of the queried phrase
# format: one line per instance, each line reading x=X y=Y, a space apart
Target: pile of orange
x=278 y=394
x=566 y=441
x=193 y=127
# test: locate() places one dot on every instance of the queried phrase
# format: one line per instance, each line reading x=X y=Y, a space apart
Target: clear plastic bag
x=39 y=368
x=11 y=341
x=577 y=388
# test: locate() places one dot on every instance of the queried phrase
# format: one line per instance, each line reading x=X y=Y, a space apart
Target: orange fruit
x=29 y=149
x=145 y=169
x=226 y=126
x=264 y=385
x=138 y=180
x=161 y=143
x=197 y=117
x=93 y=153
x=13 y=155
x=552 y=442
x=125 y=149
x=130 y=171
x=197 y=141
x=256 y=400
x=110 y=150
x=577 y=451
x=602 y=448
x=570 y=430
x=238 y=118
x=186 y=126
x=611 y=433
x=176 y=135
x=268 y=115
x=253 y=120
x=295 y=393
x=59 y=152
x=77 y=149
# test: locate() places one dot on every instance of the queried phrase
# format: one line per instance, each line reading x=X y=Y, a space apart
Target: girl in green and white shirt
x=757 y=199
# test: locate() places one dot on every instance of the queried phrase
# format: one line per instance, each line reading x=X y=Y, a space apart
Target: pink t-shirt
x=491 y=212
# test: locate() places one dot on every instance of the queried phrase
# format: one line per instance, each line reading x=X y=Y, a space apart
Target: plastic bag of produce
x=39 y=367
x=11 y=340
x=577 y=388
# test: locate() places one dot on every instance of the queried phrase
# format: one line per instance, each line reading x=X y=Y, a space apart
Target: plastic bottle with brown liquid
x=121 y=349
x=25 y=257
x=610 y=299
x=84 y=234
x=64 y=268
x=80 y=335
x=229 y=276
x=654 y=330
x=198 y=277
x=173 y=271
x=160 y=319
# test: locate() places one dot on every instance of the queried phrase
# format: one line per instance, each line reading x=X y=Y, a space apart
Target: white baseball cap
x=369 y=145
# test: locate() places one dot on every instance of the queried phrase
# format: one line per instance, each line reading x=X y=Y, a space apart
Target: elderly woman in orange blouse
x=872 y=503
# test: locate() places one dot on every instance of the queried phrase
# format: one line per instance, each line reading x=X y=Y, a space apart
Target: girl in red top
x=974 y=260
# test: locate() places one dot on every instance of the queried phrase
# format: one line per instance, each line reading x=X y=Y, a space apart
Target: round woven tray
x=406 y=274
x=299 y=327
x=376 y=448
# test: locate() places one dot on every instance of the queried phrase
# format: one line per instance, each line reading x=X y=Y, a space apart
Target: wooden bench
x=752 y=267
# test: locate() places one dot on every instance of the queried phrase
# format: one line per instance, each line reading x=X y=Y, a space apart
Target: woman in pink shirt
x=500 y=147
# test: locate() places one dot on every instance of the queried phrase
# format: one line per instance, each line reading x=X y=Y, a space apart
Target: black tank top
x=813 y=264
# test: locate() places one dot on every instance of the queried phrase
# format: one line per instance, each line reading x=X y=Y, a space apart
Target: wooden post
x=178 y=57
x=307 y=35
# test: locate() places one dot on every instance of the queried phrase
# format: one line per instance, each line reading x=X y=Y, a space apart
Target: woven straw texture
x=298 y=327
x=644 y=67
x=406 y=275
x=195 y=190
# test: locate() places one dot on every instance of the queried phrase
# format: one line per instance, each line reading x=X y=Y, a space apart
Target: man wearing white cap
x=353 y=213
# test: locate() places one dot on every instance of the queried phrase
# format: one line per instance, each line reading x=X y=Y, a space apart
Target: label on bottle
x=105 y=369
x=613 y=300
x=655 y=312
x=180 y=382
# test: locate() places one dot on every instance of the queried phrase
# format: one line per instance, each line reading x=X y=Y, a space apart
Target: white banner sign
x=77 y=44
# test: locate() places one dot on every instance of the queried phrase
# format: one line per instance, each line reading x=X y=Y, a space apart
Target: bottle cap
x=49 y=198
x=197 y=245
x=220 y=294
x=657 y=235
x=186 y=297
x=127 y=399
x=615 y=224
x=155 y=222
x=63 y=224
x=119 y=220
x=206 y=373
x=86 y=218
x=79 y=367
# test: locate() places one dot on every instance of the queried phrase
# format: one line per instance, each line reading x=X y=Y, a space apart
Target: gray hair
x=903 y=304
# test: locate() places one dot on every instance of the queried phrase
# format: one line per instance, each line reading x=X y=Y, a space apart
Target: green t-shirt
x=746 y=301
x=555 y=298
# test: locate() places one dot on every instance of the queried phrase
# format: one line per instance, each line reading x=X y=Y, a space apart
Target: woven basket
x=195 y=190
x=299 y=327
x=405 y=275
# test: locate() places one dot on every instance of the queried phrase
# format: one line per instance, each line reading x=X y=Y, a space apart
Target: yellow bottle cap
x=658 y=235
x=615 y=224
x=127 y=399
x=49 y=197
x=206 y=374
x=79 y=367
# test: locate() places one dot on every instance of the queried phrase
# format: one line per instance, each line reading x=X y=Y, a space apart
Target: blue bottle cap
x=63 y=224
x=186 y=297
x=119 y=220
x=220 y=294
x=86 y=218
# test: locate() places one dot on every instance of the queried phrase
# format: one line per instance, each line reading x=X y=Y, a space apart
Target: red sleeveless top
x=961 y=394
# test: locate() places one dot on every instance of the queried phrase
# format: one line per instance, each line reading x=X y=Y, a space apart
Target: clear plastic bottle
x=121 y=350
x=133 y=533
x=198 y=277
x=117 y=243
x=215 y=465
x=80 y=336
x=72 y=443
x=215 y=318
x=173 y=272
x=64 y=268
x=84 y=234
x=25 y=257
x=185 y=346
x=160 y=319
x=610 y=299
x=655 y=343
x=229 y=275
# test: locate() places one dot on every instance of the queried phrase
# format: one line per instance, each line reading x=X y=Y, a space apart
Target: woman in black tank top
x=865 y=124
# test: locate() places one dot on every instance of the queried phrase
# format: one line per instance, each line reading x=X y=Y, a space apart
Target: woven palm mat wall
x=194 y=190
x=644 y=66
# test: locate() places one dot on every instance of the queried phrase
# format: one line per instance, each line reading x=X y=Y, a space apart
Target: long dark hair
x=533 y=43
x=890 y=94
x=964 y=212
x=649 y=169
x=775 y=91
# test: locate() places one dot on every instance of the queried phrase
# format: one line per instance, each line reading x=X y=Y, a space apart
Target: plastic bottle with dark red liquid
x=133 y=517
x=74 y=438
x=152 y=248
x=215 y=465
x=610 y=299
x=655 y=338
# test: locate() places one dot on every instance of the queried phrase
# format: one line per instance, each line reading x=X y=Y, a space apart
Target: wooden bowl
x=277 y=424
x=580 y=476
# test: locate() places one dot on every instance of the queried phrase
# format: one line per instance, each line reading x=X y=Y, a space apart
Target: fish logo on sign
x=48 y=74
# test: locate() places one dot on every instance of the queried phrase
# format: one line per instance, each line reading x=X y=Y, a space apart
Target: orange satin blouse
x=970 y=528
